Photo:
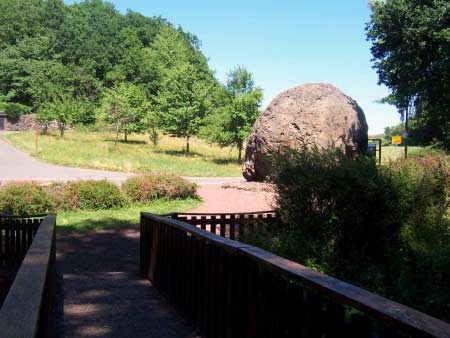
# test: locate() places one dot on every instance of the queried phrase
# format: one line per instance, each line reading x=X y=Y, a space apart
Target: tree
x=411 y=53
x=233 y=120
x=130 y=58
x=126 y=107
x=62 y=110
x=50 y=51
x=19 y=19
x=186 y=82
x=182 y=102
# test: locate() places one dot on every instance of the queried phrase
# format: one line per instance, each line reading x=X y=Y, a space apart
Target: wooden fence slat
x=213 y=224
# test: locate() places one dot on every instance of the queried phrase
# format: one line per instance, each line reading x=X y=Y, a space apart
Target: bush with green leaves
x=420 y=273
x=92 y=195
x=32 y=198
x=145 y=188
x=25 y=199
x=383 y=228
x=14 y=110
x=342 y=215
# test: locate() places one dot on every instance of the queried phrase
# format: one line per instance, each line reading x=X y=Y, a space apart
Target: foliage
x=51 y=51
x=14 y=110
x=126 y=107
x=411 y=54
x=393 y=131
x=92 y=195
x=385 y=228
x=146 y=188
x=27 y=198
x=348 y=210
x=233 y=120
x=140 y=73
x=61 y=110
x=24 y=199
x=184 y=95
x=417 y=134
x=182 y=103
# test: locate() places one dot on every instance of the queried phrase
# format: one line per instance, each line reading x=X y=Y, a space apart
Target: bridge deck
x=102 y=293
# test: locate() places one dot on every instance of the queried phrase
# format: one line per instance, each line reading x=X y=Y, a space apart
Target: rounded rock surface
x=314 y=114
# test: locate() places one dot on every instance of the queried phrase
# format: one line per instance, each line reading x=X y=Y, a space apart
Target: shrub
x=14 y=110
x=90 y=195
x=342 y=215
x=24 y=199
x=145 y=188
x=421 y=270
x=386 y=228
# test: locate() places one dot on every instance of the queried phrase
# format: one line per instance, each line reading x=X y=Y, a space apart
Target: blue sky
x=284 y=43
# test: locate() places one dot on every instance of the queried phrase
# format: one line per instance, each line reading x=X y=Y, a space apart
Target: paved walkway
x=15 y=165
x=217 y=198
x=104 y=295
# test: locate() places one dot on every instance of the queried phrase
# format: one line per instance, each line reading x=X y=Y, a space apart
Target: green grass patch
x=113 y=218
x=96 y=150
x=392 y=153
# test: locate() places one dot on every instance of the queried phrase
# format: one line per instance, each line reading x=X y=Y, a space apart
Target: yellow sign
x=396 y=140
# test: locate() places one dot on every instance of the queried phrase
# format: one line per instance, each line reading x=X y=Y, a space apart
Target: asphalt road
x=15 y=165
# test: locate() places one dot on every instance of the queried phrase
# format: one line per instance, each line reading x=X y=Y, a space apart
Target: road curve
x=15 y=165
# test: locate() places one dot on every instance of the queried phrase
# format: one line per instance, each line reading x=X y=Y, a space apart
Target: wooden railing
x=27 y=309
x=229 y=289
x=16 y=236
x=235 y=226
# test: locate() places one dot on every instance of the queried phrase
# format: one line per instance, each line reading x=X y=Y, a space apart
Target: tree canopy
x=126 y=107
x=50 y=49
x=134 y=72
x=239 y=103
x=411 y=53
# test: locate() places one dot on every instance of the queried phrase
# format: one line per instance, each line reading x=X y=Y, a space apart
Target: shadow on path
x=104 y=295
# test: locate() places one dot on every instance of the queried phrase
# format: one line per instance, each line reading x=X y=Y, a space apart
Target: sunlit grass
x=102 y=219
x=391 y=153
x=96 y=150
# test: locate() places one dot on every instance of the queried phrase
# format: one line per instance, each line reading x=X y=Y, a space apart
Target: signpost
x=372 y=148
x=36 y=140
x=397 y=140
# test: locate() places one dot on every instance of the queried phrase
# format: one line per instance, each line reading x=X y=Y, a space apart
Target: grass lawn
x=96 y=150
x=390 y=153
x=102 y=219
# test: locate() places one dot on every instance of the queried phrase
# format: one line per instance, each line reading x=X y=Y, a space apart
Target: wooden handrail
x=239 y=226
x=22 y=216
x=219 y=214
x=399 y=316
x=21 y=312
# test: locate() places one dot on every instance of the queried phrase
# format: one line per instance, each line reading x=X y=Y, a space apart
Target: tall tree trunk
x=62 y=126
x=126 y=136
x=187 y=144
x=117 y=135
x=240 y=145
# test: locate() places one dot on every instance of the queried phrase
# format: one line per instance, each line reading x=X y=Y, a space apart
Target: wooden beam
x=19 y=315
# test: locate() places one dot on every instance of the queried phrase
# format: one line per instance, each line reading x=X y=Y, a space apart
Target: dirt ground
x=236 y=197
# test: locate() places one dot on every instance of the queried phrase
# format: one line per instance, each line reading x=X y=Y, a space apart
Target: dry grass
x=96 y=150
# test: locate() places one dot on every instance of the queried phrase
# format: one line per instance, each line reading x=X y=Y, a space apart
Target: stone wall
x=26 y=122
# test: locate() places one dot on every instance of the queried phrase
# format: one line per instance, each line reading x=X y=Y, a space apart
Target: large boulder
x=314 y=114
